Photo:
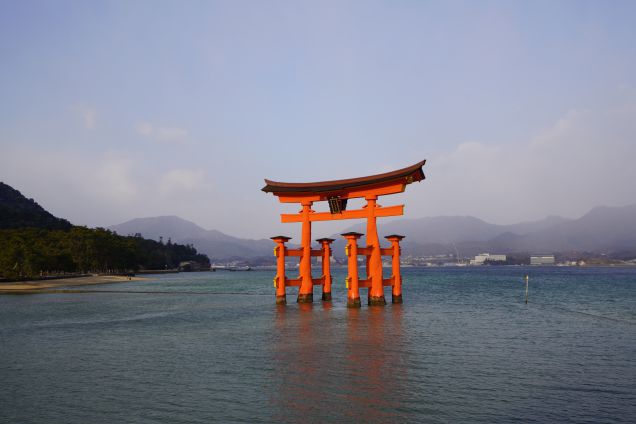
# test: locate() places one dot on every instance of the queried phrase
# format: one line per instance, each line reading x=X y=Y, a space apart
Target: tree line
x=31 y=252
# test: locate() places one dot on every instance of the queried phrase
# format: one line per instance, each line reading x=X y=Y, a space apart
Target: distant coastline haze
x=608 y=231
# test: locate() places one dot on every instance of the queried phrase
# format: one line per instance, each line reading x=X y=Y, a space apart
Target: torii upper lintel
x=382 y=184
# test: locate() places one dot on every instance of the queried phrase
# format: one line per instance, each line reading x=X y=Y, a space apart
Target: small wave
x=623 y=320
x=140 y=317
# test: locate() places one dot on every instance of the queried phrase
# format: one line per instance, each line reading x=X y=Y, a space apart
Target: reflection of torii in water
x=336 y=193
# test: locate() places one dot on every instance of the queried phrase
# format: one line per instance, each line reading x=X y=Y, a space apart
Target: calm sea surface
x=213 y=347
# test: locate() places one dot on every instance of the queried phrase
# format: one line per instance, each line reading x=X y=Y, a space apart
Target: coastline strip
x=42 y=285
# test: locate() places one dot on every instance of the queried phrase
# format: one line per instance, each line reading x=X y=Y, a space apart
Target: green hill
x=33 y=242
x=16 y=211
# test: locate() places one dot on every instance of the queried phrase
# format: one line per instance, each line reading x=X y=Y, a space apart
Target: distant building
x=483 y=257
x=542 y=260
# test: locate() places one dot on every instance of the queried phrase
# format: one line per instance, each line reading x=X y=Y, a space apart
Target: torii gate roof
x=405 y=175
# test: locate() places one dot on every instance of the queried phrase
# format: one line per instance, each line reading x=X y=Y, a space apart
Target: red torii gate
x=337 y=193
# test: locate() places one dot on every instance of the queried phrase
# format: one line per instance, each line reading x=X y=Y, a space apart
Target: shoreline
x=41 y=286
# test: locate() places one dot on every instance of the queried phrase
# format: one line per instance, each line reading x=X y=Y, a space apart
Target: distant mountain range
x=610 y=230
x=215 y=244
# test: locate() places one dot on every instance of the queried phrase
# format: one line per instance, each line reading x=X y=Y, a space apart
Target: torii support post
x=306 y=291
x=374 y=265
x=395 y=266
x=351 y=250
x=326 y=267
x=280 y=279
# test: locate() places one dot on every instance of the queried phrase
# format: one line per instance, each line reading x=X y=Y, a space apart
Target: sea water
x=214 y=347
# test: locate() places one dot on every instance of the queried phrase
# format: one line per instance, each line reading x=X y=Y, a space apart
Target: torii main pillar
x=337 y=193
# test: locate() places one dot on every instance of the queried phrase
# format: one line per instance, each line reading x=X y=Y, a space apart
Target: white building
x=542 y=260
x=483 y=257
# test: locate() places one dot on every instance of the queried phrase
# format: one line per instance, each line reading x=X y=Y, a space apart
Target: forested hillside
x=16 y=211
x=29 y=252
x=34 y=242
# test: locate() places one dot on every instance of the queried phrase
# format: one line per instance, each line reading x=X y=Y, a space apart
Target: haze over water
x=208 y=347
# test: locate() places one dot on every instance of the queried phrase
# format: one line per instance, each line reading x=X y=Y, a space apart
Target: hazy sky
x=115 y=110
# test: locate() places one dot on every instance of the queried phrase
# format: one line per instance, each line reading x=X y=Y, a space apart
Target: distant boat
x=230 y=268
x=240 y=268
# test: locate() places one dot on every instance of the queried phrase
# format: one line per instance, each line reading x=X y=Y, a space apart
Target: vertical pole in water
x=326 y=267
x=353 y=290
x=306 y=290
x=396 y=291
x=279 y=280
x=374 y=268
x=526 y=289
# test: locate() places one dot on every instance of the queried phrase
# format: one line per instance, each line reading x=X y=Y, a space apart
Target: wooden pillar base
x=281 y=300
x=305 y=298
x=353 y=303
x=377 y=301
x=397 y=298
x=326 y=297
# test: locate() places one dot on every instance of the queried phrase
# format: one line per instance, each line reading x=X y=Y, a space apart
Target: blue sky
x=115 y=110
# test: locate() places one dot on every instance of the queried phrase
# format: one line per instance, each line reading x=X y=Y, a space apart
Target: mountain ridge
x=18 y=211
x=602 y=229
x=214 y=243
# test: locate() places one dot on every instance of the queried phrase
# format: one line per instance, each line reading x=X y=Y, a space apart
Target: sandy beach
x=37 y=286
